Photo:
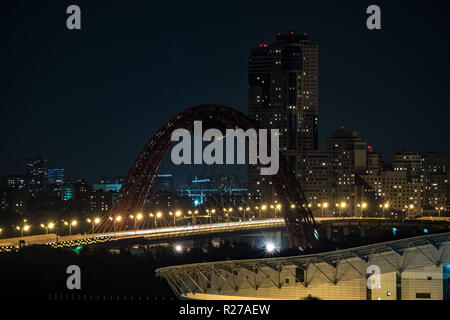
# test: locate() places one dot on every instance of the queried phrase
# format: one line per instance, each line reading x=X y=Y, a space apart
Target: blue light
x=425 y=230
x=446 y=281
x=196 y=202
x=316 y=234
x=394 y=231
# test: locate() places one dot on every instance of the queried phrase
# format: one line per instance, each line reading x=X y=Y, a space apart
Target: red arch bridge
x=138 y=191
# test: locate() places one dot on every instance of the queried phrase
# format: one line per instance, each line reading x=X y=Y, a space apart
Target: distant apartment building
x=55 y=176
x=350 y=177
x=347 y=158
x=411 y=162
x=111 y=180
x=395 y=193
x=330 y=175
x=36 y=171
x=67 y=192
x=164 y=182
x=14 y=182
x=373 y=160
x=436 y=182
x=429 y=169
x=316 y=176
x=101 y=201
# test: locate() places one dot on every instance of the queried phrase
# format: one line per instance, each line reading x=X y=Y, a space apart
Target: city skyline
x=159 y=153
x=372 y=71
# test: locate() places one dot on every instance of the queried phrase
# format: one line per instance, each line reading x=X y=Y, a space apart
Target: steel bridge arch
x=300 y=224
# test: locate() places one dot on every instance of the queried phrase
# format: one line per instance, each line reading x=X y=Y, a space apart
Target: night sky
x=91 y=99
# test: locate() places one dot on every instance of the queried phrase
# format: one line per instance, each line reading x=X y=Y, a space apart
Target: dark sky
x=91 y=99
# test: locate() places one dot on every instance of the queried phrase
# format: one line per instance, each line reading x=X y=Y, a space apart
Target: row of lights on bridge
x=139 y=216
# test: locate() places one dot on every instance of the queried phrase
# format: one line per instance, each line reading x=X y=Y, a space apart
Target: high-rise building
x=101 y=201
x=429 y=169
x=67 y=192
x=347 y=158
x=283 y=95
x=316 y=177
x=55 y=176
x=373 y=163
x=16 y=182
x=395 y=194
x=330 y=176
x=436 y=184
x=164 y=182
x=78 y=191
x=111 y=180
x=410 y=161
x=36 y=173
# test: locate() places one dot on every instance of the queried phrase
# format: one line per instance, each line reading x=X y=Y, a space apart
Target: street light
x=24 y=228
x=138 y=217
x=385 y=206
x=117 y=219
x=246 y=210
x=277 y=207
x=409 y=208
x=73 y=223
x=263 y=208
x=213 y=211
x=151 y=215
x=47 y=227
x=158 y=215
x=362 y=206
x=324 y=206
x=94 y=221
x=439 y=210
x=177 y=214
x=343 y=205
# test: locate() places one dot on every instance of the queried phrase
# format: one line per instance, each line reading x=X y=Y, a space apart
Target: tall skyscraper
x=283 y=94
x=36 y=173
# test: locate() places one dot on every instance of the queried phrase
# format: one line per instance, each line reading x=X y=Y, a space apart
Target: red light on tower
x=341 y=128
x=369 y=147
x=291 y=33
